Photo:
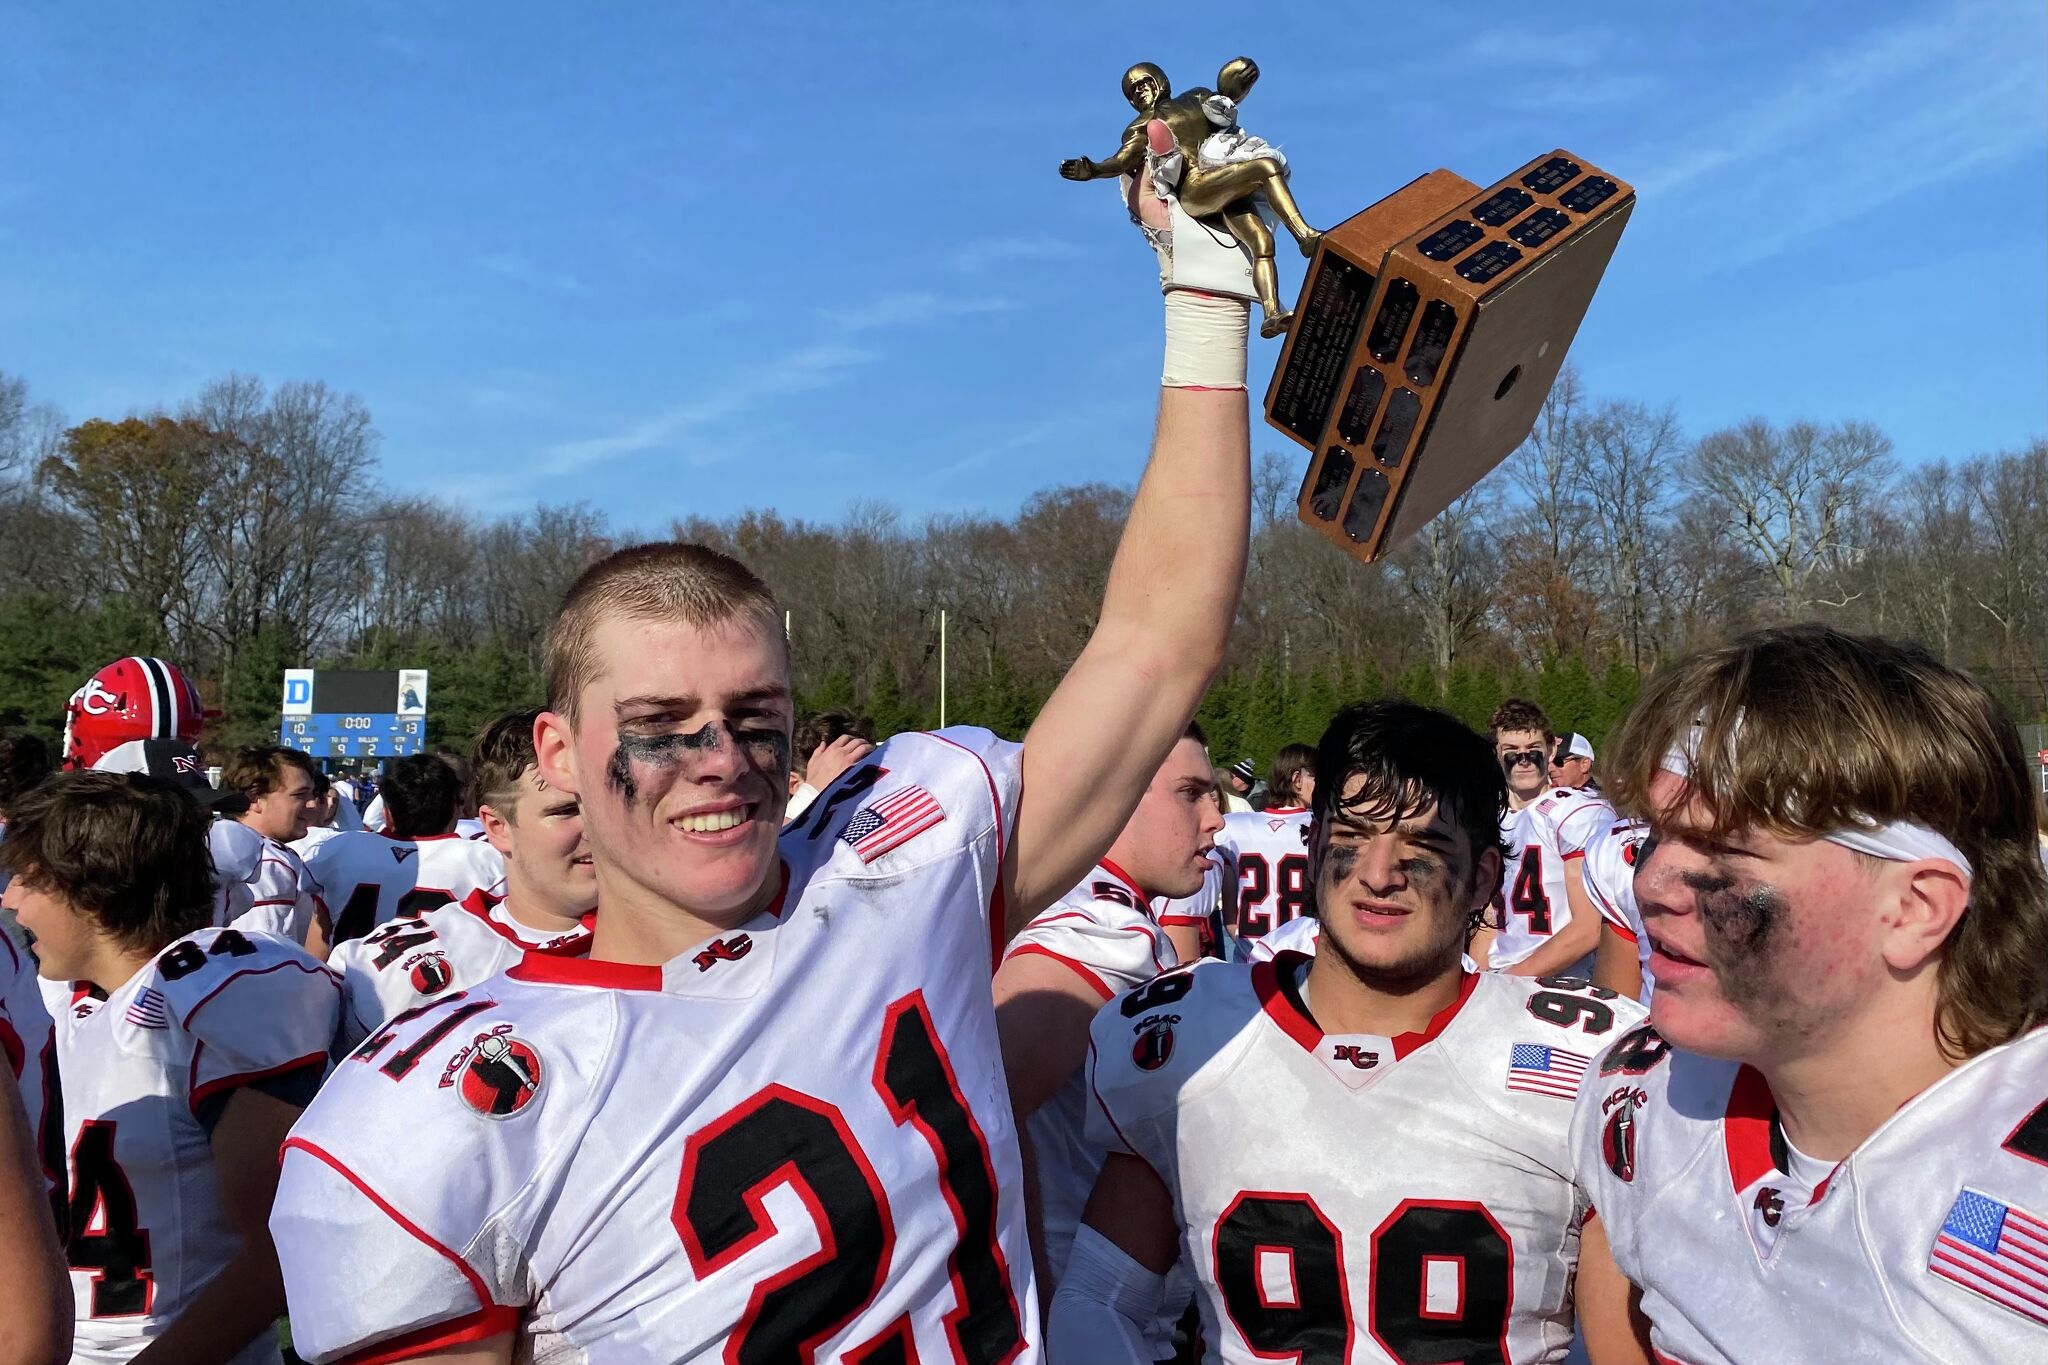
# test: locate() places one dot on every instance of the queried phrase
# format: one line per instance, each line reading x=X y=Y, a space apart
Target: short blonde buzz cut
x=1802 y=730
x=661 y=581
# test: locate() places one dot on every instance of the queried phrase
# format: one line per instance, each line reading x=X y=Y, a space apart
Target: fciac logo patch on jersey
x=429 y=973
x=503 y=1075
x=1618 y=1137
x=1155 y=1041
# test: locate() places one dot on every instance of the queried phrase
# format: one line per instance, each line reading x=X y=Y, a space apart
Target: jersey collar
x=582 y=970
x=1274 y=982
x=1130 y=882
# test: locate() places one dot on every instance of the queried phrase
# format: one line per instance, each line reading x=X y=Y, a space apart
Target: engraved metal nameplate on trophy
x=1429 y=331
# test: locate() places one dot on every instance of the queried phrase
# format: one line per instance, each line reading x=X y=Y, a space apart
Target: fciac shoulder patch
x=497 y=1075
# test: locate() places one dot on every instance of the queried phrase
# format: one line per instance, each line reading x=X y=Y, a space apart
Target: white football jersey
x=314 y=836
x=1929 y=1243
x=1542 y=837
x=144 y=1074
x=1360 y=1198
x=792 y=1143
x=1202 y=911
x=1610 y=872
x=281 y=895
x=28 y=1048
x=370 y=879
x=236 y=850
x=415 y=958
x=1298 y=935
x=1267 y=851
x=1105 y=931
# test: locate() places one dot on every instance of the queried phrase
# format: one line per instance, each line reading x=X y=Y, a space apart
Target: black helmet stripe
x=163 y=720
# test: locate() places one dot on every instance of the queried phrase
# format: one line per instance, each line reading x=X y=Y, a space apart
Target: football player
x=549 y=889
x=765 y=1119
x=1833 y=1143
x=1621 y=963
x=185 y=1053
x=1548 y=925
x=1264 y=857
x=415 y=863
x=281 y=789
x=31 y=1172
x=1386 y=1175
x=1097 y=941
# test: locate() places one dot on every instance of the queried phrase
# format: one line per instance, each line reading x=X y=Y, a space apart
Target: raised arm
x=1172 y=594
x=1128 y=159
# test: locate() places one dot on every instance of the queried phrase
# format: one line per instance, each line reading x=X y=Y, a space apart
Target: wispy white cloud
x=1892 y=114
x=911 y=308
x=847 y=343
x=976 y=257
x=810 y=367
x=518 y=267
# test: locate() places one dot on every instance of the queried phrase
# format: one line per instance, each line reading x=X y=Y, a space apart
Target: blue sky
x=676 y=259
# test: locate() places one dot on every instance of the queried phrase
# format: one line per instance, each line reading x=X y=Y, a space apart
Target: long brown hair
x=1804 y=730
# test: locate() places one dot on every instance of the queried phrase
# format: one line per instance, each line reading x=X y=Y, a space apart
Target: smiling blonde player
x=765 y=1120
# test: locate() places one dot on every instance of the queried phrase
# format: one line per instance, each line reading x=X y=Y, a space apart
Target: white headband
x=1899 y=841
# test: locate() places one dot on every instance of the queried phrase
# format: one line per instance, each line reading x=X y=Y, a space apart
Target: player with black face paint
x=1833 y=1143
x=766 y=1119
x=1393 y=1187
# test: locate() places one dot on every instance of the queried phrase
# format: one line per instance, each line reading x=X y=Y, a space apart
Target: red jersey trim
x=585 y=971
x=1280 y=1007
x=1095 y=982
x=1746 y=1128
x=1618 y=928
x=1283 y=810
x=1577 y=853
x=312 y=969
x=480 y=903
x=577 y=968
x=1183 y=921
x=200 y=1093
x=1144 y=896
x=489 y=1321
x=469 y=1275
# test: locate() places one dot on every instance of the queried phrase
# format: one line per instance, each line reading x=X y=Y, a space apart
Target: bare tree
x=1449 y=573
x=1627 y=455
x=1794 y=498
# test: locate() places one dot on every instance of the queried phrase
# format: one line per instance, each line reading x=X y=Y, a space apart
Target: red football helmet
x=131 y=698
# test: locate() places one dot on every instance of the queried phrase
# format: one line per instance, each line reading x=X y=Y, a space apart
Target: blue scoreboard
x=355 y=713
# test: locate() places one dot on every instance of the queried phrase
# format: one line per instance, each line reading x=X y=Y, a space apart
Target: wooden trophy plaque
x=1429 y=331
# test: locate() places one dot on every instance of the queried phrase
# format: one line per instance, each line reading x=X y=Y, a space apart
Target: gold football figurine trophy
x=1430 y=326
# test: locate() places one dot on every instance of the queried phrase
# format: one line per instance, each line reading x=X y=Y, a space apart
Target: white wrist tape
x=1205 y=341
x=1106 y=1306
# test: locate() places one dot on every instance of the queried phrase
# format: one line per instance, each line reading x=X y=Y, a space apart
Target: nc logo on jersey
x=1356 y=1055
x=429 y=973
x=1155 y=1041
x=723 y=950
x=1771 y=1205
x=1618 y=1137
x=502 y=1077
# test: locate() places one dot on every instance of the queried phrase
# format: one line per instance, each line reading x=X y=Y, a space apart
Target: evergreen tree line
x=244 y=532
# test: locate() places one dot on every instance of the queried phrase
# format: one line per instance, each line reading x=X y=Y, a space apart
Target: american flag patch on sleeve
x=1996 y=1250
x=891 y=822
x=146 y=1010
x=1542 y=1070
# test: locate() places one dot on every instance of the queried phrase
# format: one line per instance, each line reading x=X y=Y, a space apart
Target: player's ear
x=1485 y=877
x=497 y=829
x=553 y=742
x=1922 y=904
